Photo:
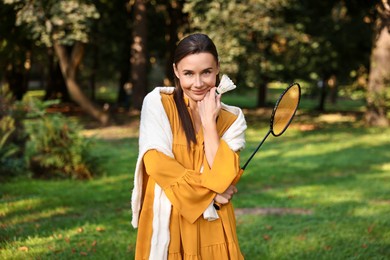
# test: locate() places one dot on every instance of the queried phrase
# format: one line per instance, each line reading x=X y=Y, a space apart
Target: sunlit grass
x=338 y=174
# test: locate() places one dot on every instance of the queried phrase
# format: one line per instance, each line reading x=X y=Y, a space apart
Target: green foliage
x=11 y=136
x=9 y=163
x=49 y=21
x=288 y=40
x=255 y=41
x=55 y=146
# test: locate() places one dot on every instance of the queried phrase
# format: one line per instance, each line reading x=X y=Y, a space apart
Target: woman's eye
x=188 y=74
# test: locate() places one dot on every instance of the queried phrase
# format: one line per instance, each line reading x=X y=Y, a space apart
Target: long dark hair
x=192 y=44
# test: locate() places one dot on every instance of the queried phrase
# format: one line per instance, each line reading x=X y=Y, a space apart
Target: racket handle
x=238 y=177
x=217 y=205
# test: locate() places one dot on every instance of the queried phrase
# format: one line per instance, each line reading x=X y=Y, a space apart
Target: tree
x=15 y=53
x=176 y=22
x=107 y=57
x=63 y=25
x=139 y=60
x=252 y=36
x=337 y=48
x=379 y=77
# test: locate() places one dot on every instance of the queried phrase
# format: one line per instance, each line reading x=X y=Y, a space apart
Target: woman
x=188 y=158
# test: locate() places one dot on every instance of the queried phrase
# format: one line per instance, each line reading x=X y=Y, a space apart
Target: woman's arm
x=209 y=109
x=183 y=187
x=191 y=192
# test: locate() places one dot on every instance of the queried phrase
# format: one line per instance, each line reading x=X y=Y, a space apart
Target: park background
x=73 y=75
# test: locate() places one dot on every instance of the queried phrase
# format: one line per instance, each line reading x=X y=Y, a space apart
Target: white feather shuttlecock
x=225 y=85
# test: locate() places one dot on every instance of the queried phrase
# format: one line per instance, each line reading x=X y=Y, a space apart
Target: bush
x=10 y=163
x=55 y=147
x=11 y=136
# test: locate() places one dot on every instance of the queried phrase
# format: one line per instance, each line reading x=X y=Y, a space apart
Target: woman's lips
x=199 y=92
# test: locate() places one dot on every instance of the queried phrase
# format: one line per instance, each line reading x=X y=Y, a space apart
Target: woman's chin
x=198 y=97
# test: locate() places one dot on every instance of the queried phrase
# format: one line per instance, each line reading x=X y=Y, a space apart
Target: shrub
x=11 y=136
x=55 y=146
x=10 y=163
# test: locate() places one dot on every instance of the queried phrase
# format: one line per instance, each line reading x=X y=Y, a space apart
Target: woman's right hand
x=226 y=196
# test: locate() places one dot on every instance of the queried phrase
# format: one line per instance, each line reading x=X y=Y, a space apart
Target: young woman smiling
x=188 y=158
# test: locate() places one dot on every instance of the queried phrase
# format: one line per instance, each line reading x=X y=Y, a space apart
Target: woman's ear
x=175 y=70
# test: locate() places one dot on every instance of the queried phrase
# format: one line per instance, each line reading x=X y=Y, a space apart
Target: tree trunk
x=379 y=77
x=334 y=89
x=323 y=93
x=262 y=94
x=125 y=87
x=55 y=86
x=176 y=19
x=68 y=68
x=17 y=79
x=138 y=58
x=92 y=77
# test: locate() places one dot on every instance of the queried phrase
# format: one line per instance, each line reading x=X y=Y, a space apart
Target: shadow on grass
x=69 y=215
x=339 y=174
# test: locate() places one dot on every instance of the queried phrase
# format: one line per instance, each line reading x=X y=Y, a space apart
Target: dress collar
x=186 y=101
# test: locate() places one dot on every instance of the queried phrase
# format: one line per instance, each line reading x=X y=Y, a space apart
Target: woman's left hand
x=226 y=196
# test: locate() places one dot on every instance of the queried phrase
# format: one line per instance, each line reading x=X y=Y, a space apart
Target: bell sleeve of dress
x=182 y=186
x=191 y=192
x=224 y=170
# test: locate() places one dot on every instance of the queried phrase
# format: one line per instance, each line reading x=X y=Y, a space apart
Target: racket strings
x=285 y=109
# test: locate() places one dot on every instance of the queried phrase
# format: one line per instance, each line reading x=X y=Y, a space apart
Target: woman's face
x=197 y=73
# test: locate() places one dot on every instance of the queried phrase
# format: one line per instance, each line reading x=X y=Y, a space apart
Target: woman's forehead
x=197 y=61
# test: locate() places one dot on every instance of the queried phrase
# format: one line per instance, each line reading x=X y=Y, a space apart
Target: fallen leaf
x=23 y=248
x=82 y=243
x=370 y=228
x=100 y=229
x=80 y=230
x=266 y=237
x=94 y=243
x=83 y=253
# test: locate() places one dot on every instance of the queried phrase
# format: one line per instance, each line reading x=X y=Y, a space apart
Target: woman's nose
x=198 y=81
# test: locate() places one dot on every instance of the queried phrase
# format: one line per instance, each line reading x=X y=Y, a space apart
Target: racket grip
x=217 y=205
x=238 y=177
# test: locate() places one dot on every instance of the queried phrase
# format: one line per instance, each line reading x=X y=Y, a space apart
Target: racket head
x=285 y=109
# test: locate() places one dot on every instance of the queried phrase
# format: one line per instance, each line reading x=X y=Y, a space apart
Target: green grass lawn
x=329 y=186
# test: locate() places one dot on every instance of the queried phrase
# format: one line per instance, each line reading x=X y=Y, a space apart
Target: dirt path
x=271 y=211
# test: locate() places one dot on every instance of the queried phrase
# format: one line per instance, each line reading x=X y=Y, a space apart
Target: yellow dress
x=190 y=193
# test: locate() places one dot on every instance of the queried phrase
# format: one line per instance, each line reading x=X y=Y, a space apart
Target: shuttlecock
x=225 y=85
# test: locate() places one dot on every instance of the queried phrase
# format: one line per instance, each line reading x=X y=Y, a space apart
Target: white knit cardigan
x=155 y=133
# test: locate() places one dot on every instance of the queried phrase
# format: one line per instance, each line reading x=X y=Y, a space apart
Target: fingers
x=226 y=196
x=221 y=199
x=232 y=189
x=209 y=107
